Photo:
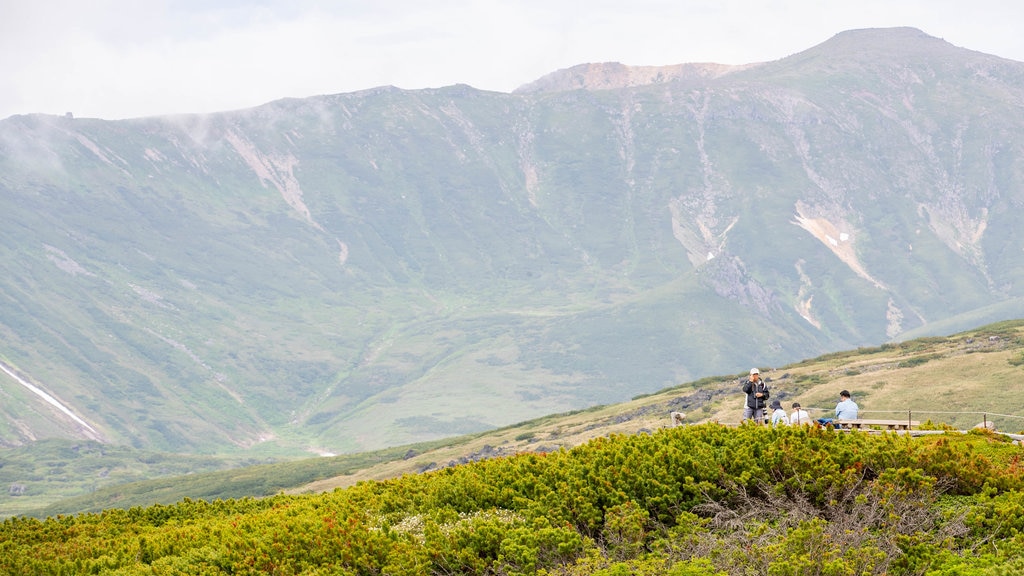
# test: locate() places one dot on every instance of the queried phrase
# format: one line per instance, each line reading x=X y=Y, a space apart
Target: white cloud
x=120 y=58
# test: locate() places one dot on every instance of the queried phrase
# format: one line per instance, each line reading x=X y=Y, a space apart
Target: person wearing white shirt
x=799 y=415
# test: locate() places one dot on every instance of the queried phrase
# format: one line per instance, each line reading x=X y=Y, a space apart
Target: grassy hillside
x=957 y=381
x=707 y=500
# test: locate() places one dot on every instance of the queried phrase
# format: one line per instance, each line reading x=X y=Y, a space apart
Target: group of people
x=758 y=393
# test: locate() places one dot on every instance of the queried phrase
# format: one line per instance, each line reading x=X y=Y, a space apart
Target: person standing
x=757 y=397
x=799 y=415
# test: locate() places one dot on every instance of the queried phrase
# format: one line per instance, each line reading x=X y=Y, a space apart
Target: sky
x=117 y=59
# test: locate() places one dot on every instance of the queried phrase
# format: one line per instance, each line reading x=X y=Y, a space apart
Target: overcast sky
x=127 y=58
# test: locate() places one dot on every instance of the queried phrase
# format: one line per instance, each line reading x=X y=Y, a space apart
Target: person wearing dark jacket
x=757 y=397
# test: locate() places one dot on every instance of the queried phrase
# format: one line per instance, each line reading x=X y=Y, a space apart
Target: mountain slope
x=348 y=272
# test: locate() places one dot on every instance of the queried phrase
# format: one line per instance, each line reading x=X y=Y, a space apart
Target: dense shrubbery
x=698 y=500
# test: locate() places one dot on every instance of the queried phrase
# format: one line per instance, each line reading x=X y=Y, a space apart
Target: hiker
x=778 y=414
x=846 y=409
x=757 y=397
x=799 y=415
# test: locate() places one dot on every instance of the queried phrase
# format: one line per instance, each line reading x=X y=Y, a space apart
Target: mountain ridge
x=612 y=75
x=352 y=271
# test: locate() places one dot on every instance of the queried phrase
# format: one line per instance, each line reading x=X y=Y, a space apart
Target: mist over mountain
x=352 y=271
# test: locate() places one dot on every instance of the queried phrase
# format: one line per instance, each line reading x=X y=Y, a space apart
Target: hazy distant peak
x=610 y=75
x=865 y=43
x=874 y=43
x=885 y=38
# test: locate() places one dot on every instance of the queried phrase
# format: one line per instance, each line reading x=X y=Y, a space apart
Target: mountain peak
x=900 y=40
x=905 y=43
x=864 y=43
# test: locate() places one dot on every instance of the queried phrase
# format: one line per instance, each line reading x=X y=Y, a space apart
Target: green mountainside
x=354 y=272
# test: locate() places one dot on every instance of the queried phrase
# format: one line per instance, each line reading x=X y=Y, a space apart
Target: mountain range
x=348 y=272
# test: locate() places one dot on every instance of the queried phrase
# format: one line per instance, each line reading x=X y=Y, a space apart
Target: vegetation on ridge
x=695 y=500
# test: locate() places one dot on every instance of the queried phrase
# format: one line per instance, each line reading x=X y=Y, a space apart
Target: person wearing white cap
x=757 y=397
